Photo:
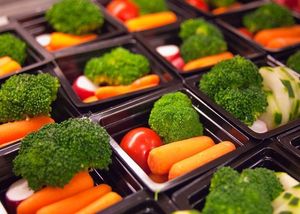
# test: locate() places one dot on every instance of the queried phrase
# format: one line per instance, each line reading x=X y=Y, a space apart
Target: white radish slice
x=2 y=210
x=169 y=52
x=84 y=87
x=259 y=126
x=43 y=39
x=178 y=63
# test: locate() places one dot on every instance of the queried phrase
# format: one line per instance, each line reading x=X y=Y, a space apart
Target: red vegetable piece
x=123 y=9
x=246 y=32
x=199 y=4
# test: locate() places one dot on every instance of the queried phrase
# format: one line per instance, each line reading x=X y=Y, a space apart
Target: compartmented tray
x=62 y=108
x=193 y=83
x=291 y=141
x=35 y=24
x=246 y=5
x=71 y=65
x=154 y=38
x=119 y=120
x=118 y=177
x=180 y=13
x=271 y=157
x=35 y=54
x=234 y=21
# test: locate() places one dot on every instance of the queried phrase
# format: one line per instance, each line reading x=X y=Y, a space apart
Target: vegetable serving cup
x=233 y=22
x=155 y=38
x=121 y=119
x=245 y=5
x=291 y=141
x=62 y=108
x=118 y=177
x=271 y=157
x=36 y=25
x=35 y=54
x=71 y=65
x=193 y=84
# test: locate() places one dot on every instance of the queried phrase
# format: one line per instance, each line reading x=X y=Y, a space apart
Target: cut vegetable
x=2 y=209
x=84 y=87
x=43 y=39
x=8 y=65
x=178 y=63
x=282 y=42
x=169 y=52
x=259 y=126
x=288 y=201
x=286 y=180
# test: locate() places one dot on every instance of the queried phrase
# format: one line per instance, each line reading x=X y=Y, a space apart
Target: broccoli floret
x=245 y=104
x=198 y=26
x=198 y=46
x=174 y=118
x=26 y=95
x=119 y=67
x=265 y=178
x=220 y=3
x=53 y=155
x=152 y=6
x=13 y=47
x=75 y=17
x=237 y=72
x=268 y=16
x=294 y=62
x=223 y=177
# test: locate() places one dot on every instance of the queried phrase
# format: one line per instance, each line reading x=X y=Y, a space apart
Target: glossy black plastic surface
x=291 y=141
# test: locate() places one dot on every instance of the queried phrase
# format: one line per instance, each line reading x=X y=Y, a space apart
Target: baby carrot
x=283 y=42
x=206 y=61
x=200 y=159
x=90 y=99
x=161 y=159
x=102 y=203
x=146 y=80
x=13 y=131
x=8 y=65
x=48 y=195
x=158 y=178
x=221 y=10
x=149 y=21
x=76 y=202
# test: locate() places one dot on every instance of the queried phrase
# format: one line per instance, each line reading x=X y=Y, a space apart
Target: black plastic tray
x=35 y=54
x=61 y=107
x=120 y=120
x=193 y=83
x=154 y=38
x=291 y=141
x=71 y=65
x=271 y=157
x=118 y=177
x=35 y=24
x=234 y=21
x=247 y=4
x=180 y=13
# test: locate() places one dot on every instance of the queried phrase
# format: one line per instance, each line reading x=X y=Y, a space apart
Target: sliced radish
x=84 y=87
x=169 y=52
x=178 y=63
x=259 y=126
x=2 y=210
x=43 y=39
x=16 y=193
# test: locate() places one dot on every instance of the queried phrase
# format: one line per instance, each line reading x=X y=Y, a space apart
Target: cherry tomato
x=138 y=142
x=123 y=9
x=199 y=4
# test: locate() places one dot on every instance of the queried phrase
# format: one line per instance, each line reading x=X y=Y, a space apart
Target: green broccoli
x=198 y=26
x=223 y=177
x=118 y=67
x=268 y=16
x=54 y=154
x=152 y=6
x=27 y=95
x=220 y=3
x=293 y=62
x=174 y=118
x=75 y=17
x=13 y=47
x=198 y=46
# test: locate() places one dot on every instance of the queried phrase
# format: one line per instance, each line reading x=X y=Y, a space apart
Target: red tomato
x=138 y=142
x=199 y=4
x=123 y=9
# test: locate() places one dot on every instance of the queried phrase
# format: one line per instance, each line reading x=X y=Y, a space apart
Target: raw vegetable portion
x=293 y=62
x=75 y=17
x=62 y=150
x=153 y=6
x=8 y=66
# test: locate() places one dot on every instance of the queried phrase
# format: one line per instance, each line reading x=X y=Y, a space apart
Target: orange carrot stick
x=264 y=36
x=63 y=40
x=13 y=131
x=146 y=80
x=76 y=202
x=161 y=159
x=150 y=21
x=200 y=159
x=90 y=99
x=8 y=65
x=221 y=10
x=80 y=182
x=206 y=61
x=158 y=178
x=102 y=203
x=283 y=42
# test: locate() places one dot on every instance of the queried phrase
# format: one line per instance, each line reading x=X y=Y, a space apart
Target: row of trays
x=277 y=149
